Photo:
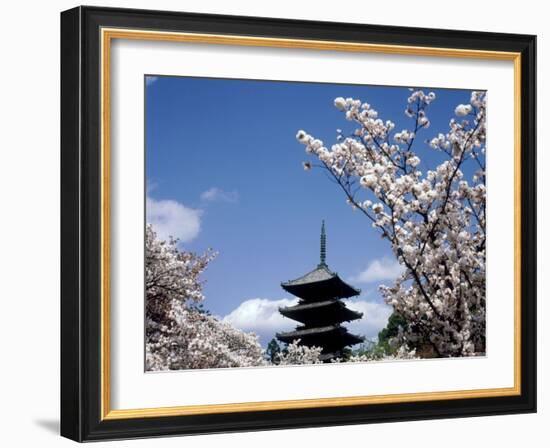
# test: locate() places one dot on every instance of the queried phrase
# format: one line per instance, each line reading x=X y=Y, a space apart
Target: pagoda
x=321 y=310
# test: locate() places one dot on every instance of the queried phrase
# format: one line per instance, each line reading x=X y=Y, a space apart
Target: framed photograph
x=274 y=223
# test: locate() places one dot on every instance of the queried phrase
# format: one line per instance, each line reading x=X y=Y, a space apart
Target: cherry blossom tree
x=179 y=334
x=433 y=220
x=402 y=352
x=171 y=273
x=296 y=354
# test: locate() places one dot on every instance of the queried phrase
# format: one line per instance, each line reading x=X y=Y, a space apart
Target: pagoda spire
x=323 y=245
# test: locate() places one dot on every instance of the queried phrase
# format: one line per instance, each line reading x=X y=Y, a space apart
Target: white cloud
x=171 y=218
x=217 y=194
x=262 y=317
x=150 y=80
x=375 y=317
x=381 y=269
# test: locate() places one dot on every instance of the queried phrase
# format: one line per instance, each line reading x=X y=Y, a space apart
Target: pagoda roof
x=319 y=274
x=320 y=282
x=332 y=309
x=319 y=336
x=298 y=333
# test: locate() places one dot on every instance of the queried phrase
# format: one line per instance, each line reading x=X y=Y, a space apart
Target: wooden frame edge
x=107 y=34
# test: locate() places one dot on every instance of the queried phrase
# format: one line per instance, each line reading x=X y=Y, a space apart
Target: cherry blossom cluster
x=179 y=334
x=296 y=353
x=434 y=220
x=190 y=339
x=400 y=353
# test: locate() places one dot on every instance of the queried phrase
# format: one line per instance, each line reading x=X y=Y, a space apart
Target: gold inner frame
x=107 y=35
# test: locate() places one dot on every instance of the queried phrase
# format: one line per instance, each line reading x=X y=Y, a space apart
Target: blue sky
x=224 y=170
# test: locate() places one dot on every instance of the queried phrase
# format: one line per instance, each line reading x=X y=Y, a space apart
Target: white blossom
x=400 y=353
x=340 y=103
x=301 y=136
x=377 y=208
x=463 y=110
x=296 y=354
x=413 y=161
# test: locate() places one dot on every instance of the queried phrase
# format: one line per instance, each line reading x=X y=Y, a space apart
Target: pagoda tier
x=321 y=313
x=320 y=284
x=321 y=310
x=331 y=337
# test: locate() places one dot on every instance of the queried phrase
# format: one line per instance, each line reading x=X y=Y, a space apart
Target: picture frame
x=86 y=37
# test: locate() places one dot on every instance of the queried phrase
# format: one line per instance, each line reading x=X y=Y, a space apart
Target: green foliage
x=273 y=351
x=392 y=329
x=370 y=348
x=346 y=353
x=199 y=307
x=379 y=348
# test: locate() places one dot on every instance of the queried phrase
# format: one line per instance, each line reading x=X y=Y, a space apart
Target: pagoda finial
x=323 y=245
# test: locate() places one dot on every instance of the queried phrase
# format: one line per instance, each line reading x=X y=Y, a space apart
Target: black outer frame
x=80 y=224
